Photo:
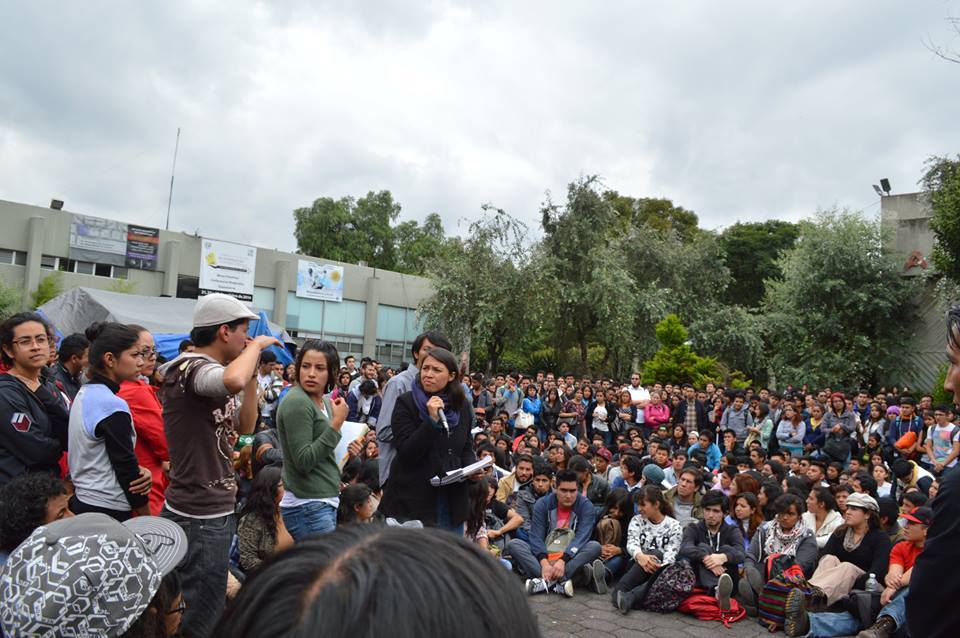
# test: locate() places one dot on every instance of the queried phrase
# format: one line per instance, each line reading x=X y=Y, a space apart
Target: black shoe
x=748 y=597
x=796 y=621
x=624 y=601
x=598 y=577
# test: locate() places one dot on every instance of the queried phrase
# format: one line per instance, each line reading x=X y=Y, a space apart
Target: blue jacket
x=898 y=428
x=582 y=519
x=532 y=406
x=817 y=437
x=713 y=454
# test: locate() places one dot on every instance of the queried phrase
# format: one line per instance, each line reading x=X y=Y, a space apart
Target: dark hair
x=621 y=499
x=653 y=494
x=72 y=345
x=112 y=338
x=773 y=491
x=351 y=471
x=477 y=493
x=454 y=388
x=350 y=498
x=917 y=498
x=368 y=388
x=268 y=357
x=888 y=509
x=10 y=324
x=565 y=476
x=868 y=484
x=154 y=625
x=203 y=336
x=369 y=473
x=786 y=501
x=542 y=468
x=799 y=484
x=578 y=463
x=632 y=463
x=756 y=518
x=825 y=497
x=714 y=497
x=844 y=487
x=434 y=337
x=365 y=580
x=23 y=506
x=329 y=352
x=695 y=471
x=902 y=468
x=184 y=345
x=520 y=458
x=262 y=500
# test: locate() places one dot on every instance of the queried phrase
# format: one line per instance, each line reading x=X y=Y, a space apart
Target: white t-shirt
x=943 y=439
x=639 y=394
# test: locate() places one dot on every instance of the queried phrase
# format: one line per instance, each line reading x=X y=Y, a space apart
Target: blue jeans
x=204 y=570
x=309 y=519
x=828 y=624
x=616 y=565
x=529 y=566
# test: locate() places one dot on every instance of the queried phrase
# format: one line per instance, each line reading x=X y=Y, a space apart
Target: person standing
x=147 y=412
x=431 y=436
x=308 y=425
x=103 y=465
x=71 y=362
x=202 y=408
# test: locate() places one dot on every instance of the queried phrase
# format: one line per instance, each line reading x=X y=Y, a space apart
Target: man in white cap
x=202 y=409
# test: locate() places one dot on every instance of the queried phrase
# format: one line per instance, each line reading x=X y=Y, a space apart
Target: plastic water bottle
x=872 y=584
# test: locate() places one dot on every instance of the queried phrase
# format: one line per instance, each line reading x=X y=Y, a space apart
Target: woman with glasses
x=147 y=413
x=106 y=475
x=35 y=421
x=786 y=535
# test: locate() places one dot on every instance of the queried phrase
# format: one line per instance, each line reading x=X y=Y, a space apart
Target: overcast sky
x=736 y=110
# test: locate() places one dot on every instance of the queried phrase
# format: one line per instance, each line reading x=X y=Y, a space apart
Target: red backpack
x=705 y=607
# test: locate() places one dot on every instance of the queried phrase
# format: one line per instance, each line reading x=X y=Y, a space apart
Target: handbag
x=703 y=606
x=784 y=575
x=670 y=586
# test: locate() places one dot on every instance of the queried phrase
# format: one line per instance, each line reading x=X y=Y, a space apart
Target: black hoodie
x=698 y=543
x=33 y=429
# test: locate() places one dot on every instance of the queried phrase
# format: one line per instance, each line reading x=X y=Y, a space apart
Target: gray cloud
x=737 y=110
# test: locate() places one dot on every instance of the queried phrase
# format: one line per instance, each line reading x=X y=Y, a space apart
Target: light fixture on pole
x=885 y=185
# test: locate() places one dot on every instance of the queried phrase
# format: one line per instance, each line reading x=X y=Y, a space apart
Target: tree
x=124 y=286
x=48 y=288
x=657 y=213
x=675 y=361
x=732 y=334
x=482 y=286
x=587 y=270
x=416 y=244
x=752 y=249
x=841 y=313
x=349 y=230
x=941 y=187
x=10 y=299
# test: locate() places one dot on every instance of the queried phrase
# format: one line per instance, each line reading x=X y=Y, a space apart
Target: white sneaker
x=535 y=586
x=564 y=588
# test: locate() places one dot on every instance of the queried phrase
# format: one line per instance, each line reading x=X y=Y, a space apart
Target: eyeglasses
x=182 y=607
x=26 y=342
x=148 y=353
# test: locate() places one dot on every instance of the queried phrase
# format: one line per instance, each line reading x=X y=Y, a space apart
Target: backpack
x=705 y=607
x=771 y=601
x=671 y=585
x=558 y=539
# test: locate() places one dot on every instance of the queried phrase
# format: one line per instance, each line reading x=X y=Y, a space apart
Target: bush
x=675 y=361
x=941 y=396
x=9 y=299
x=48 y=288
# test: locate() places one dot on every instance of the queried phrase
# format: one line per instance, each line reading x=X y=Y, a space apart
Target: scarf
x=365 y=404
x=420 y=398
x=849 y=543
x=781 y=542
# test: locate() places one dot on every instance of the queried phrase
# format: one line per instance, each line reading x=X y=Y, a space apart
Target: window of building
x=14 y=257
x=84 y=267
x=119 y=272
x=49 y=262
x=101 y=270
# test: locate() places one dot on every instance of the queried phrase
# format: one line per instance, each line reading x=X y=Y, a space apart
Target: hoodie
x=698 y=543
x=33 y=429
x=644 y=536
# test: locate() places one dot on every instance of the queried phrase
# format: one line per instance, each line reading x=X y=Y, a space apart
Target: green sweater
x=309 y=466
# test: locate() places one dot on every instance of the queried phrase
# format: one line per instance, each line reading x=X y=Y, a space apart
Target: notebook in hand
x=455 y=476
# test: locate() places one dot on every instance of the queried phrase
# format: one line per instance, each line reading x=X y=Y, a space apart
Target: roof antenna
x=173 y=170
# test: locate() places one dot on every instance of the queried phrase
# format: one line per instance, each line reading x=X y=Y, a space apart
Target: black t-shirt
x=935 y=583
x=499 y=509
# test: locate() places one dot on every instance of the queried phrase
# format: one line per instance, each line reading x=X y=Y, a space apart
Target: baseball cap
x=863 y=501
x=920 y=515
x=217 y=308
x=88 y=575
x=605 y=453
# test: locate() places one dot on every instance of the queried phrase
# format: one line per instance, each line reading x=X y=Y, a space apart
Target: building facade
x=375 y=316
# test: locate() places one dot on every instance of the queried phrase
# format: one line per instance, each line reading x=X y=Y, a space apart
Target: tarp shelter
x=167 y=318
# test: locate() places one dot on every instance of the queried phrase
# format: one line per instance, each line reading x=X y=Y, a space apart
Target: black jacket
x=424 y=451
x=33 y=429
x=679 y=415
x=697 y=543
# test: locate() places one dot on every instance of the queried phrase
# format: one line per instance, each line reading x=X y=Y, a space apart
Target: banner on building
x=319 y=281
x=228 y=268
x=143 y=244
x=102 y=241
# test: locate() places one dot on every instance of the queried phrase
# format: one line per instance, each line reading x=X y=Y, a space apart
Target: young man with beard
x=520 y=478
x=526 y=498
x=714 y=548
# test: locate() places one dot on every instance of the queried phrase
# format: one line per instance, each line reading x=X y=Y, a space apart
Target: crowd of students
x=226 y=475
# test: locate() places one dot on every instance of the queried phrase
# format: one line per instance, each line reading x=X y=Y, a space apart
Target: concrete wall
x=40 y=231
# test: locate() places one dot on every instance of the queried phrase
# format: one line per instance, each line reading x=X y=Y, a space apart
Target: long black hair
x=350 y=498
x=262 y=501
x=329 y=351
x=454 y=389
x=619 y=498
x=109 y=337
x=477 y=493
x=653 y=494
x=370 y=580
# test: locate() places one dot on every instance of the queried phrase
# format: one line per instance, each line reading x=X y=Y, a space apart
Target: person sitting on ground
x=611 y=532
x=260 y=531
x=786 y=535
x=822 y=516
x=714 y=548
x=631 y=471
x=506 y=518
x=889 y=519
x=512 y=483
x=746 y=516
x=677 y=463
x=705 y=445
x=90 y=575
x=364 y=406
x=857 y=549
x=591 y=485
x=653 y=540
x=909 y=475
x=560 y=550
x=356 y=504
x=684 y=497
x=400 y=594
x=27 y=502
x=526 y=498
x=892 y=616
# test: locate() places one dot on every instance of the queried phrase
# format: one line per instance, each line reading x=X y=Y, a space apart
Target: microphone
x=443 y=419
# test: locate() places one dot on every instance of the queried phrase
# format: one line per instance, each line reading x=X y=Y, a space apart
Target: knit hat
x=863 y=501
x=653 y=474
x=87 y=575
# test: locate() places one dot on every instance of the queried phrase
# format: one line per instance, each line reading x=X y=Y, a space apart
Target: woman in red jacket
x=141 y=396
